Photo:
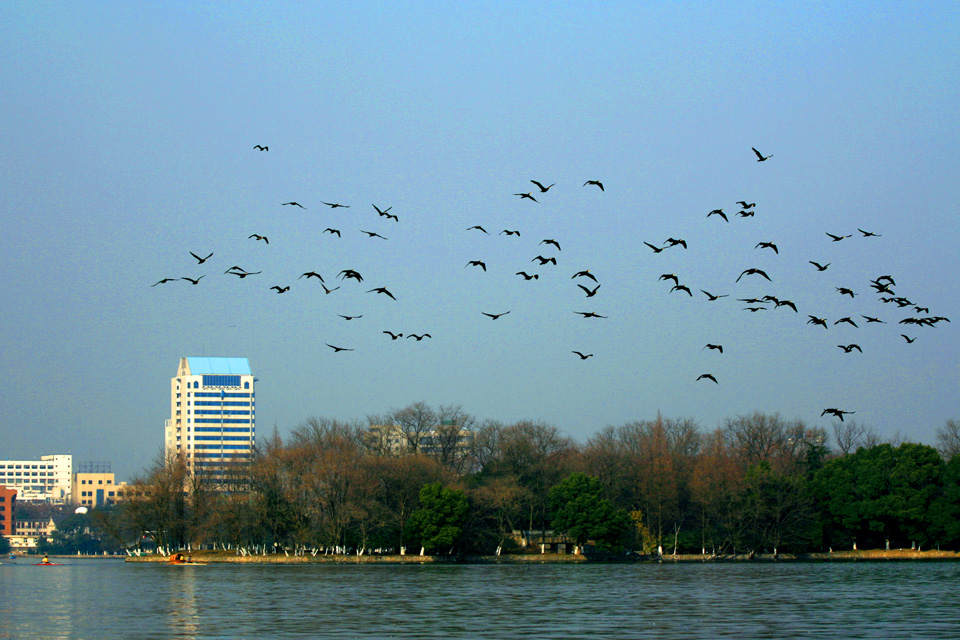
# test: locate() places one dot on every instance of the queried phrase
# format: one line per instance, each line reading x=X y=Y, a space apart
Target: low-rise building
x=27 y=533
x=95 y=490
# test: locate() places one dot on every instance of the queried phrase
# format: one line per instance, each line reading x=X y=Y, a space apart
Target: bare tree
x=849 y=435
x=452 y=436
x=416 y=421
x=948 y=439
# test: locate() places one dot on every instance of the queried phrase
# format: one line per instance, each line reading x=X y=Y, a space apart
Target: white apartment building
x=48 y=479
x=212 y=413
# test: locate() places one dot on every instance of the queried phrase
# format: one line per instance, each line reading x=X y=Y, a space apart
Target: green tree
x=439 y=520
x=882 y=493
x=577 y=506
x=945 y=511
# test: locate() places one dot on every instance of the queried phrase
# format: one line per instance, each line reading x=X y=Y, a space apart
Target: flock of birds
x=882 y=285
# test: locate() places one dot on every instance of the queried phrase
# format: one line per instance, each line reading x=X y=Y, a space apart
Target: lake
x=112 y=599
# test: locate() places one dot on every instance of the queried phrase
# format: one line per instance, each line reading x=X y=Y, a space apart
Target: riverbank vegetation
x=757 y=484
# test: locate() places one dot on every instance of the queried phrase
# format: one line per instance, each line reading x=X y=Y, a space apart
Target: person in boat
x=45 y=560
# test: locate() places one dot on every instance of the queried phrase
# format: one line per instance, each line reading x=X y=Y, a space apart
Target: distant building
x=48 y=479
x=8 y=510
x=27 y=533
x=445 y=441
x=212 y=421
x=94 y=490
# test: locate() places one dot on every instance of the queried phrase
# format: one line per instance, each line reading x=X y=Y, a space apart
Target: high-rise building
x=47 y=479
x=212 y=421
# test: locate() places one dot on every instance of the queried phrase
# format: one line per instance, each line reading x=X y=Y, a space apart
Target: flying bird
x=349 y=317
x=241 y=273
x=711 y=297
x=192 y=281
x=350 y=273
x=594 y=182
x=393 y=336
x=382 y=290
x=590 y=292
x=510 y=233
x=281 y=289
x=494 y=315
x=719 y=212
x=680 y=287
x=542 y=261
x=334 y=205
x=870 y=319
x=420 y=337
x=869 y=234
x=847 y=348
x=551 y=241
x=311 y=274
x=747 y=272
x=675 y=241
x=837 y=238
x=845 y=292
x=476 y=226
x=295 y=204
x=584 y=274
x=760 y=157
x=543 y=189
x=669 y=276
x=908 y=338
x=382 y=212
x=712 y=347
x=786 y=303
x=527 y=276
x=745 y=214
x=655 y=249
x=476 y=263
x=372 y=234
x=332 y=231
x=583 y=356
x=328 y=291
x=743 y=204
x=261 y=148
x=165 y=280
x=820 y=321
x=589 y=314
x=199 y=259
x=337 y=349
x=707 y=376
x=820 y=267
x=767 y=245
x=527 y=196
x=264 y=238
x=837 y=413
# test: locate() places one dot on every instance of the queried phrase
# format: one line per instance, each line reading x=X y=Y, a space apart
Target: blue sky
x=128 y=133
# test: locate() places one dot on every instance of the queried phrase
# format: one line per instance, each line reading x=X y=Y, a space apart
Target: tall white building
x=212 y=413
x=48 y=479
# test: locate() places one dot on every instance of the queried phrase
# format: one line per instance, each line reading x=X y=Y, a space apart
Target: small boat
x=180 y=560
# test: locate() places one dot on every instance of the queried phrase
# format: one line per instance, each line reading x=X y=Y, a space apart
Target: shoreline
x=227 y=557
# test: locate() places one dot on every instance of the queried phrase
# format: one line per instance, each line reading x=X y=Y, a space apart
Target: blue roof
x=235 y=366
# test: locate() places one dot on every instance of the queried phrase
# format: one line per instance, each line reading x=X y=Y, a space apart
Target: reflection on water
x=101 y=598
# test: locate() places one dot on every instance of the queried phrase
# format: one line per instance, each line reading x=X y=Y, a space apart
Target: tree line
x=756 y=484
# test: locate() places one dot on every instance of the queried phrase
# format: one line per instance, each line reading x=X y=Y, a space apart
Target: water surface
x=112 y=599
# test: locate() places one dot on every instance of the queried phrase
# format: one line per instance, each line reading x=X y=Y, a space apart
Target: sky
x=128 y=134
